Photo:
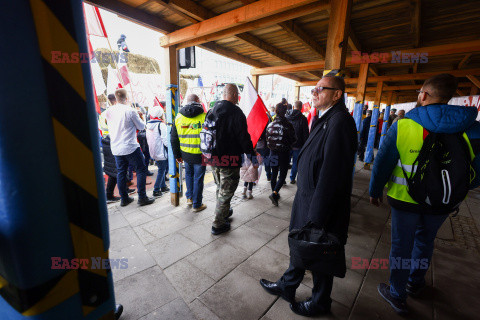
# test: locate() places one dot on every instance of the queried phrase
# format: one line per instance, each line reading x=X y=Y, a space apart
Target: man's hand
x=179 y=160
x=376 y=201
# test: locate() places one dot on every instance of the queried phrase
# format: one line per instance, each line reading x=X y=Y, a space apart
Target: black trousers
x=279 y=162
x=322 y=285
x=111 y=183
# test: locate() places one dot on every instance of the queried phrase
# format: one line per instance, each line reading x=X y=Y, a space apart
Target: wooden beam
x=246 y=16
x=355 y=45
x=296 y=32
x=455 y=48
x=378 y=93
x=297 y=93
x=474 y=80
x=406 y=77
x=362 y=83
x=337 y=36
x=464 y=61
x=416 y=20
x=405 y=87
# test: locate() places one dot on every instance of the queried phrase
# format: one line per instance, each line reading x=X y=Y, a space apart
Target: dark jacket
x=190 y=111
x=109 y=165
x=300 y=124
x=233 y=138
x=325 y=169
x=280 y=135
x=437 y=118
x=365 y=129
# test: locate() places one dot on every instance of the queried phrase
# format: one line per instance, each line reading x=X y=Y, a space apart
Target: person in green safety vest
x=185 y=141
x=414 y=227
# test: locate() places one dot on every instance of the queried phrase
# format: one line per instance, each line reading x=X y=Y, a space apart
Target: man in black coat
x=326 y=164
x=232 y=140
x=300 y=124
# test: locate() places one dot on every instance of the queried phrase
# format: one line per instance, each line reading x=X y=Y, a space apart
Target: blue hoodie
x=438 y=118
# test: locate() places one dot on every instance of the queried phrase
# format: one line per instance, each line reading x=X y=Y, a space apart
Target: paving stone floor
x=178 y=270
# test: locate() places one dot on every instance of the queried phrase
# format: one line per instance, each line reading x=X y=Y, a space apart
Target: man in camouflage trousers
x=233 y=140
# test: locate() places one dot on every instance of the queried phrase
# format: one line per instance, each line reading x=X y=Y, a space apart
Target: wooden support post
x=297 y=93
x=172 y=101
x=255 y=81
x=337 y=38
x=385 y=117
x=389 y=98
x=360 y=97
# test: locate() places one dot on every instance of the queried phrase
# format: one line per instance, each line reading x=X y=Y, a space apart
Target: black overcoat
x=109 y=165
x=325 y=173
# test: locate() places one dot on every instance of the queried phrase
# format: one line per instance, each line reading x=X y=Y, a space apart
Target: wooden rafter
x=355 y=45
x=474 y=80
x=416 y=20
x=464 y=61
x=409 y=87
x=337 y=35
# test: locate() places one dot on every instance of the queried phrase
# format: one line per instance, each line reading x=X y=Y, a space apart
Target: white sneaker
x=249 y=195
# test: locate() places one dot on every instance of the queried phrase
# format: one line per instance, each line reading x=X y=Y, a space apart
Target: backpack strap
x=159 y=131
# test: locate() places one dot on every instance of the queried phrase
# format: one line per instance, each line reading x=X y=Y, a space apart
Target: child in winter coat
x=249 y=174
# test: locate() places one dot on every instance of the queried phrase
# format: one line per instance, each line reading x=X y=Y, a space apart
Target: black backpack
x=442 y=173
x=208 y=135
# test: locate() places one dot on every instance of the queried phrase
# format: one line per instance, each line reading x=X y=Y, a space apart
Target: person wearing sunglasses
x=325 y=166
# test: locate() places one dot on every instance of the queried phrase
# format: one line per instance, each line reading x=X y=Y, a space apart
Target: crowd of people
x=323 y=158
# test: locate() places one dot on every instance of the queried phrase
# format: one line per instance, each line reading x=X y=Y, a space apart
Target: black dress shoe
x=113 y=199
x=149 y=173
x=274 y=198
x=230 y=212
x=145 y=201
x=273 y=288
x=308 y=308
x=126 y=202
x=165 y=189
x=222 y=229
x=118 y=311
x=157 y=193
x=130 y=191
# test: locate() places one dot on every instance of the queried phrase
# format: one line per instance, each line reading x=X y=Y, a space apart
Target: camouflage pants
x=226 y=180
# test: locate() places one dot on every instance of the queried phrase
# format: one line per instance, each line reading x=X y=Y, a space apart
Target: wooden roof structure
x=289 y=37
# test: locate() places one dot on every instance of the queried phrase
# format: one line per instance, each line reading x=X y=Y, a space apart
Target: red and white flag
x=123 y=73
x=93 y=21
x=255 y=111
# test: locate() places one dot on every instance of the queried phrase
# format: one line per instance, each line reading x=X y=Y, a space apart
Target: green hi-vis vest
x=409 y=142
x=188 y=130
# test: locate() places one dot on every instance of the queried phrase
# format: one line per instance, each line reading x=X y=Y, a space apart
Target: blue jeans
x=160 y=181
x=293 y=171
x=194 y=174
x=413 y=236
x=137 y=160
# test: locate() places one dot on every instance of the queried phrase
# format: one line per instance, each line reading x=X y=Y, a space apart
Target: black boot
x=146 y=201
x=126 y=202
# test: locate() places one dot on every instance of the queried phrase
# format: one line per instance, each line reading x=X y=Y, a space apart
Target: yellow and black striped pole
x=52 y=199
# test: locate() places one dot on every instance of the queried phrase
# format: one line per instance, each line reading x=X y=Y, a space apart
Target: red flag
x=255 y=111
x=93 y=21
x=306 y=107
x=312 y=116
x=123 y=73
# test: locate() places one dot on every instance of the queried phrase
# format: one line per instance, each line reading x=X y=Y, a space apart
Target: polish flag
x=93 y=21
x=254 y=109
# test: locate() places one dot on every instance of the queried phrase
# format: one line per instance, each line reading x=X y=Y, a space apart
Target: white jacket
x=157 y=144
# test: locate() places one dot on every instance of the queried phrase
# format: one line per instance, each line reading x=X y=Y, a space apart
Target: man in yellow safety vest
x=185 y=140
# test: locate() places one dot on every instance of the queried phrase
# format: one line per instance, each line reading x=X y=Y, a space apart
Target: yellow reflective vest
x=409 y=142
x=188 y=130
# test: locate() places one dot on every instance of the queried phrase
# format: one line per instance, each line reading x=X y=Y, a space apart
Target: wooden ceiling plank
x=248 y=14
x=295 y=31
